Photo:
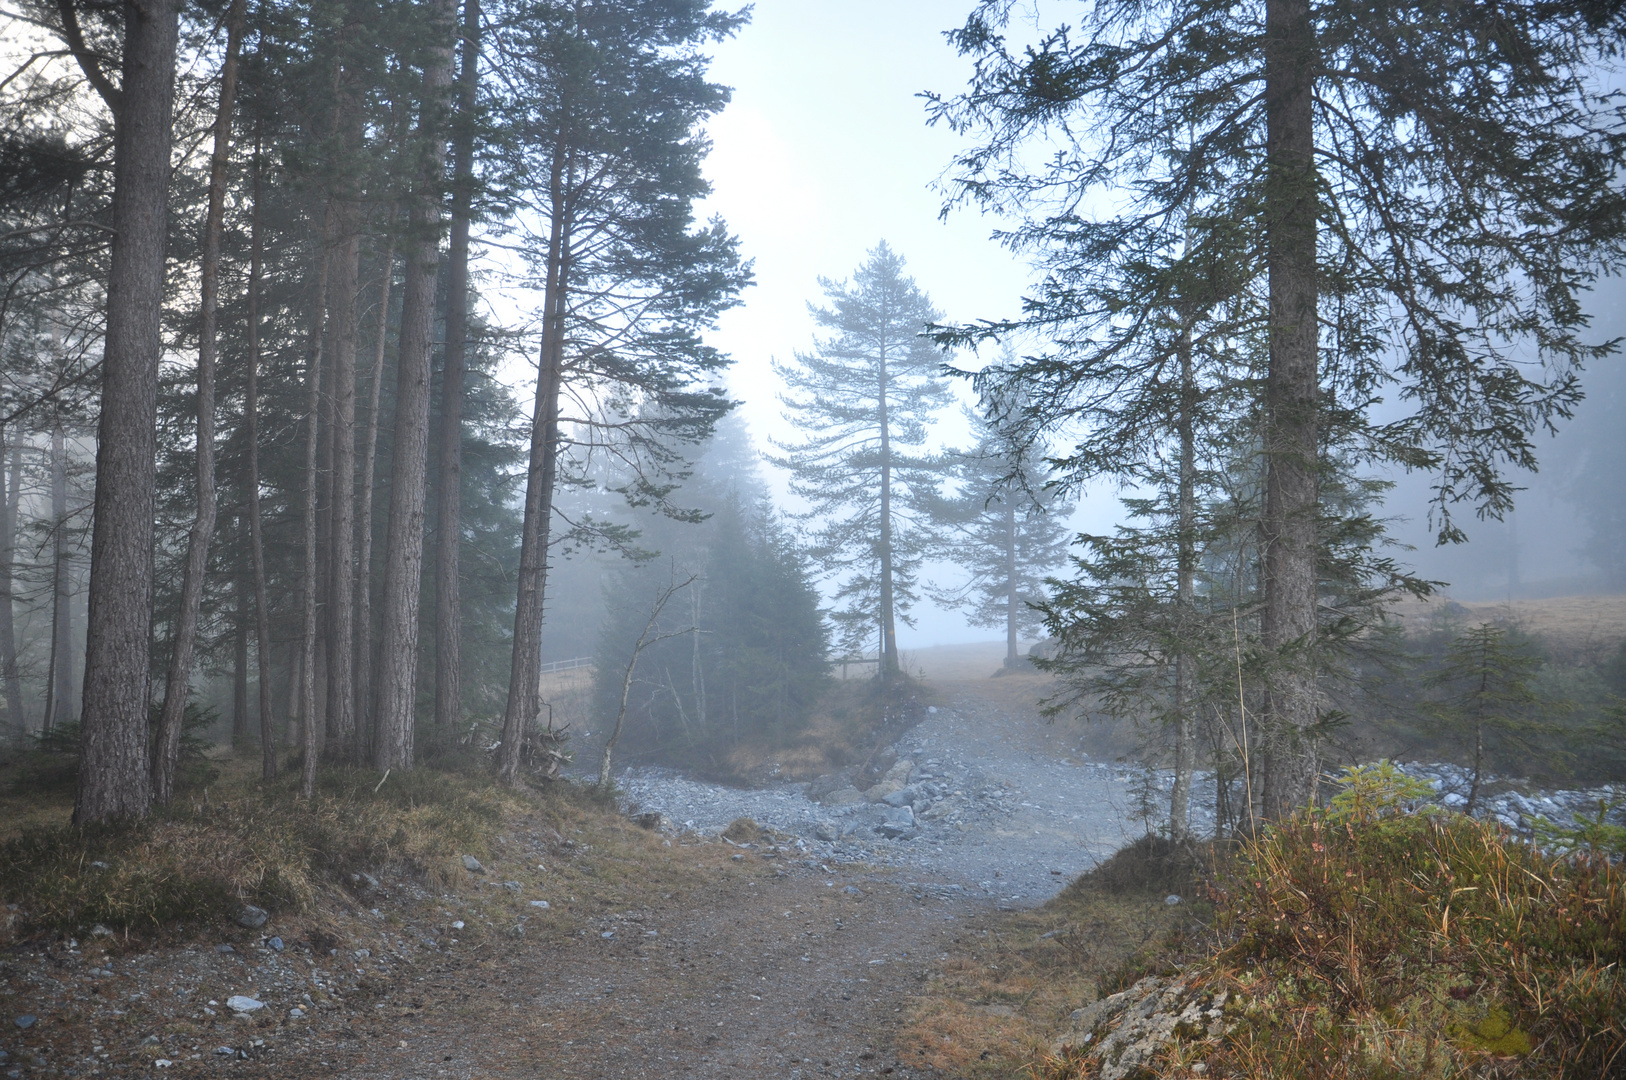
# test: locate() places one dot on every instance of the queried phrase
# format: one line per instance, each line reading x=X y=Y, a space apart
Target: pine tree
x=1487 y=695
x=113 y=780
x=603 y=137
x=864 y=398
x=1006 y=529
x=746 y=656
x=1480 y=203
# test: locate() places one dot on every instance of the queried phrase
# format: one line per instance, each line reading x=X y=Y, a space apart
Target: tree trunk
x=1185 y=720
x=310 y=722
x=403 y=553
x=251 y=484
x=361 y=655
x=341 y=440
x=239 y=660
x=59 y=706
x=9 y=502
x=1292 y=385
x=525 y=668
x=646 y=638
x=113 y=777
x=179 y=677
x=449 y=527
x=888 y=665
x=1012 y=601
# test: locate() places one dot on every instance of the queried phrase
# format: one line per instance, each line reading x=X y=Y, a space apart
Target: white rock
x=243 y=1003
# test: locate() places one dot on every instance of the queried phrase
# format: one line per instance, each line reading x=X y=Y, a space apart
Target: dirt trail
x=784 y=976
x=768 y=963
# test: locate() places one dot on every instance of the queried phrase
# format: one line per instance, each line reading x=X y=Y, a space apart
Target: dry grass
x=193 y=866
x=1366 y=942
x=1015 y=977
x=1579 y=629
x=239 y=841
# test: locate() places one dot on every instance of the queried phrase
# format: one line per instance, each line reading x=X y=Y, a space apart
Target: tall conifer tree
x=865 y=397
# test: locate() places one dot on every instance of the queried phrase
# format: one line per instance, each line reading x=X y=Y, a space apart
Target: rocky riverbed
x=977 y=797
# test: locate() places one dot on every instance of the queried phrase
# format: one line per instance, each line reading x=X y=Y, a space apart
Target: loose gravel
x=998 y=813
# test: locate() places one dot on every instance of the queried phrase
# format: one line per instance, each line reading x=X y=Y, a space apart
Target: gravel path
x=997 y=812
x=1003 y=808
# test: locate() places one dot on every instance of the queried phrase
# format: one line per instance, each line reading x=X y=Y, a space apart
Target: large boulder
x=846 y=796
x=899 y=823
x=824 y=785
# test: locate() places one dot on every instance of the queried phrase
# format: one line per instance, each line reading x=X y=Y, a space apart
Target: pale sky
x=824 y=152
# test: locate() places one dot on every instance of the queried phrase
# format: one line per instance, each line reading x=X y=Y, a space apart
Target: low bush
x=1368 y=940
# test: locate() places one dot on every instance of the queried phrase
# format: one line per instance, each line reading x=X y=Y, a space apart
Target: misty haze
x=1063 y=539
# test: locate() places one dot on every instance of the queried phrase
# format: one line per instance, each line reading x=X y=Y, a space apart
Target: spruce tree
x=1405 y=195
x=1005 y=529
x=864 y=398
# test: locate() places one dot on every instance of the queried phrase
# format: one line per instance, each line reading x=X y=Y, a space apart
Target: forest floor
x=586 y=947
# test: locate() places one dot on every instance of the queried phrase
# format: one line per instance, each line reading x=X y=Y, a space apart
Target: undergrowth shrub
x=1368 y=940
x=1375 y=941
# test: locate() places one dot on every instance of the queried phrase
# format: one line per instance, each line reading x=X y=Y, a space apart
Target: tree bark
x=449 y=526
x=251 y=484
x=361 y=656
x=59 y=694
x=179 y=679
x=525 y=668
x=341 y=441
x=310 y=722
x=239 y=658
x=9 y=502
x=403 y=554
x=889 y=664
x=113 y=777
x=1012 y=602
x=1185 y=721
x=1292 y=386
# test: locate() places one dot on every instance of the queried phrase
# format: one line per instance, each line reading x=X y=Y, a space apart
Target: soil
x=779 y=959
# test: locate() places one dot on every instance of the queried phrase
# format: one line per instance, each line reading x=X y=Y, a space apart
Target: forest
x=307 y=387
x=372 y=456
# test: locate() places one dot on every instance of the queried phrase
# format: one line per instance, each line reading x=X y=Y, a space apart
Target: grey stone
x=902 y=797
x=274 y=944
x=513 y=886
x=846 y=796
x=224 y=949
x=244 y=1004
x=251 y=917
x=1171 y=900
x=26 y=1021
x=472 y=865
x=542 y=904
x=826 y=832
x=829 y=783
x=880 y=791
